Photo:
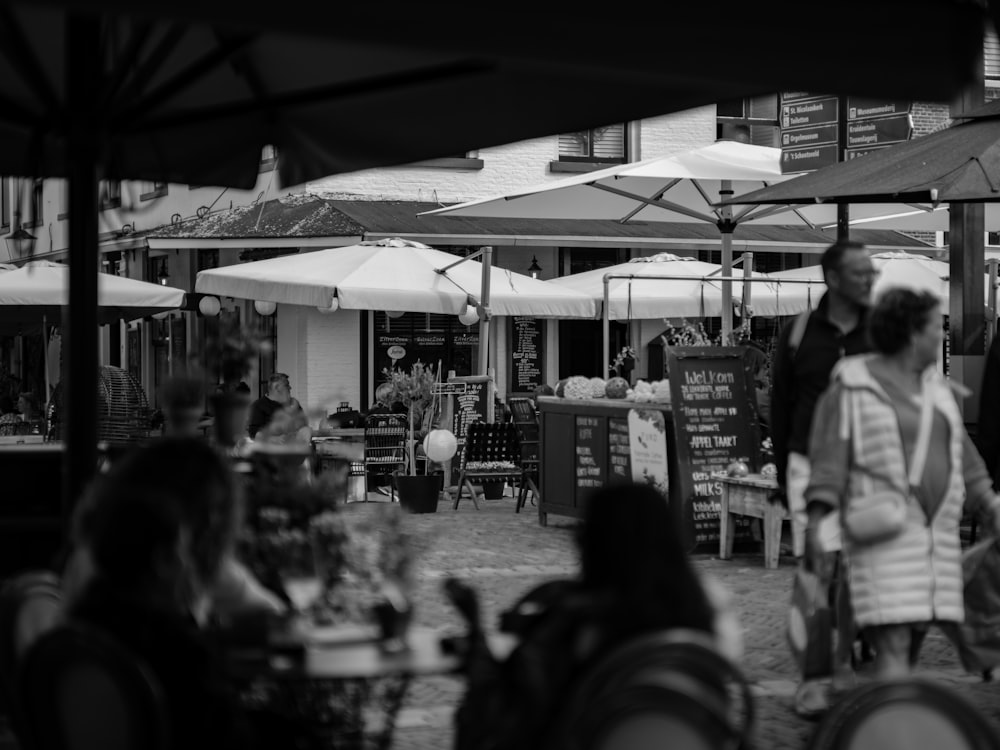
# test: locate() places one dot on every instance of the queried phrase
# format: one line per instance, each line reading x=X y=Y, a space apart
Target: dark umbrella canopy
x=189 y=91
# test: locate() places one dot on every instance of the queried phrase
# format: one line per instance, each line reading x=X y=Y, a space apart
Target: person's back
x=140 y=594
x=635 y=578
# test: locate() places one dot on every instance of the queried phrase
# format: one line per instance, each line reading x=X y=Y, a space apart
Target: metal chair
x=905 y=713
x=526 y=420
x=81 y=690
x=490 y=454
x=385 y=446
x=670 y=688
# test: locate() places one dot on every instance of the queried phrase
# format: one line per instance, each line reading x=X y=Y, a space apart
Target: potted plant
x=415 y=390
x=228 y=358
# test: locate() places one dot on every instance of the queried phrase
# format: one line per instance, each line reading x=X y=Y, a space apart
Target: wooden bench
x=747 y=496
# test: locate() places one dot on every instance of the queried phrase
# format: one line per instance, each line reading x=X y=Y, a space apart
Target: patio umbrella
x=690 y=292
x=897 y=269
x=40 y=289
x=397 y=274
x=678 y=188
x=190 y=92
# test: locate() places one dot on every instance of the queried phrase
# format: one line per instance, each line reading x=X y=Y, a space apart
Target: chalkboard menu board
x=619 y=454
x=591 y=461
x=527 y=353
x=472 y=406
x=715 y=422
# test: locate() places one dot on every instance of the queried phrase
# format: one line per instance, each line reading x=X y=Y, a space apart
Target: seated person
x=26 y=419
x=145 y=585
x=384 y=403
x=202 y=490
x=623 y=591
x=277 y=399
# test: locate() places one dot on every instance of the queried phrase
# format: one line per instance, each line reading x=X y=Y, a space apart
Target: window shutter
x=991 y=57
x=609 y=142
x=573 y=144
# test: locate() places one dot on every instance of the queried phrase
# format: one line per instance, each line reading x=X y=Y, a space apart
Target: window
x=111 y=194
x=753 y=120
x=36 y=218
x=268 y=159
x=605 y=145
x=150 y=190
x=5 y=202
x=991 y=58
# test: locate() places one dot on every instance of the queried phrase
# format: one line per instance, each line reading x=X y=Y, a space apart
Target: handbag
x=810 y=625
x=881 y=515
x=979 y=635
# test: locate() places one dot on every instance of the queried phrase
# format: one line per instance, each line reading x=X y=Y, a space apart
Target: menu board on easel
x=527 y=353
x=715 y=422
x=475 y=404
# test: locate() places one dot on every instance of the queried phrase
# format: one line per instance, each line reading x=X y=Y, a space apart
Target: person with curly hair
x=881 y=415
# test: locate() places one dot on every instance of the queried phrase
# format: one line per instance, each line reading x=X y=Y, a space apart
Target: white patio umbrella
x=678 y=188
x=690 y=292
x=35 y=294
x=40 y=289
x=396 y=274
x=896 y=269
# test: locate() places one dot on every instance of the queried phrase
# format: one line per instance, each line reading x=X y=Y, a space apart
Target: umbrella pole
x=484 y=313
x=726 y=227
x=80 y=325
x=606 y=331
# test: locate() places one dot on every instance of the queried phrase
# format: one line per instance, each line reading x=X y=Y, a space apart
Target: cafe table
x=342 y=681
x=749 y=496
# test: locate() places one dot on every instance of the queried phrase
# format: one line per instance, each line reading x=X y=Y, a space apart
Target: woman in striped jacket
x=864 y=443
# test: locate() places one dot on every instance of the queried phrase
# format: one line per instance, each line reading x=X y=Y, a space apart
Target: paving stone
x=503 y=554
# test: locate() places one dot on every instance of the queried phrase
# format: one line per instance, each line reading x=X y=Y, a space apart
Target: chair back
x=491 y=442
x=905 y=713
x=670 y=688
x=385 y=443
x=80 y=689
x=30 y=606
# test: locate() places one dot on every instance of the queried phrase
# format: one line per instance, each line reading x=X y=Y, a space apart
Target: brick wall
x=510 y=167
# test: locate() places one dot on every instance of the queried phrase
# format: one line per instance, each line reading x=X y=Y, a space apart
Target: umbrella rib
x=704 y=196
x=221 y=54
x=24 y=60
x=657 y=196
x=310 y=96
x=652 y=202
x=152 y=63
x=126 y=62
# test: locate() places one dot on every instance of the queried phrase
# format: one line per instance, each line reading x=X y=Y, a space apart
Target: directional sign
x=813 y=136
x=854 y=153
x=808 y=159
x=448 y=389
x=858 y=109
x=798 y=96
x=805 y=114
x=878 y=131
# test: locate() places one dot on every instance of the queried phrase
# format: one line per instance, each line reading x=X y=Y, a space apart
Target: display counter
x=586 y=444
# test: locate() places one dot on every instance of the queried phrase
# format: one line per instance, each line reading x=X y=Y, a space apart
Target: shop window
x=110 y=194
x=150 y=190
x=429 y=338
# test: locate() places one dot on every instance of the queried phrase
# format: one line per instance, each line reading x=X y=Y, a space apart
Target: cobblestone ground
x=503 y=554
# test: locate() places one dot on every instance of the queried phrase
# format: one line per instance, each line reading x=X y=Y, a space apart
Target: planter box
x=419 y=494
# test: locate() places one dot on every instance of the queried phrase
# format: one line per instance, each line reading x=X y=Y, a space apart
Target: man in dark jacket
x=800 y=373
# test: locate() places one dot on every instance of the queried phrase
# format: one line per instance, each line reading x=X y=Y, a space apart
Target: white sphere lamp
x=264 y=307
x=469 y=315
x=394 y=313
x=440 y=445
x=209 y=306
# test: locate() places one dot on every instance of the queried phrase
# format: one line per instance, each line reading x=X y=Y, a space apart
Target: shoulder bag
x=881 y=516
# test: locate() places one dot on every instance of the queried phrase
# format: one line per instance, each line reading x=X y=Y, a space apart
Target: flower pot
x=419 y=494
x=230 y=411
x=493 y=490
